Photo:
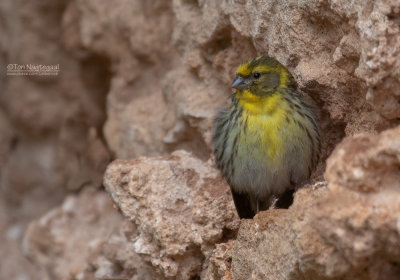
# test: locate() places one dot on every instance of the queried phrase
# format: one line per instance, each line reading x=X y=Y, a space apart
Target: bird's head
x=262 y=76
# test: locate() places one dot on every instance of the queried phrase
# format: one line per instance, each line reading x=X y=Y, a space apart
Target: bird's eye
x=256 y=75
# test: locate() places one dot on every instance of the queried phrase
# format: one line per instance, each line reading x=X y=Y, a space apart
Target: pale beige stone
x=180 y=205
x=61 y=242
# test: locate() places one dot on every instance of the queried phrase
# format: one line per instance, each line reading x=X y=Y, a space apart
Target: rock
x=50 y=126
x=61 y=242
x=219 y=264
x=14 y=264
x=85 y=238
x=379 y=64
x=139 y=47
x=180 y=205
x=51 y=115
x=115 y=257
x=367 y=163
x=178 y=214
x=348 y=230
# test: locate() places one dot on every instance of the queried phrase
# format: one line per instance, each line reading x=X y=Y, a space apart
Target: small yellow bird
x=268 y=141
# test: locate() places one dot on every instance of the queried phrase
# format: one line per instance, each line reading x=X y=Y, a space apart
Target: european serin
x=268 y=141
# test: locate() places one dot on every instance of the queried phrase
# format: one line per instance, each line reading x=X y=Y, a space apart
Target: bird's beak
x=239 y=83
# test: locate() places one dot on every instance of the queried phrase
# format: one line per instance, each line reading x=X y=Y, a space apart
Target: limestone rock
x=54 y=122
x=115 y=257
x=50 y=126
x=14 y=264
x=180 y=205
x=379 y=64
x=367 y=163
x=60 y=242
x=137 y=43
x=219 y=264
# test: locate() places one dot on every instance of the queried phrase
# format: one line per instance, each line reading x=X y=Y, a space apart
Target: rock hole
x=395 y=18
x=333 y=131
x=228 y=234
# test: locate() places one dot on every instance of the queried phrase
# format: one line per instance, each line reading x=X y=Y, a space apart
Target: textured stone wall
x=141 y=79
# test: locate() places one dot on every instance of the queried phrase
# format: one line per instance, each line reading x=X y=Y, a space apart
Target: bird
x=267 y=143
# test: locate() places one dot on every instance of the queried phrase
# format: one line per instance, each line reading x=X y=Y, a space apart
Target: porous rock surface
x=85 y=238
x=145 y=78
x=180 y=205
x=220 y=263
x=62 y=240
x=50 y=126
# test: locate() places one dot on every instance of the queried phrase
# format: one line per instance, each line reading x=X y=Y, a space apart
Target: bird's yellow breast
x=265 y=121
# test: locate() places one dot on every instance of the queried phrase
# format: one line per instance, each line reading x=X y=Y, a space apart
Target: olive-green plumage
x=268 y=141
